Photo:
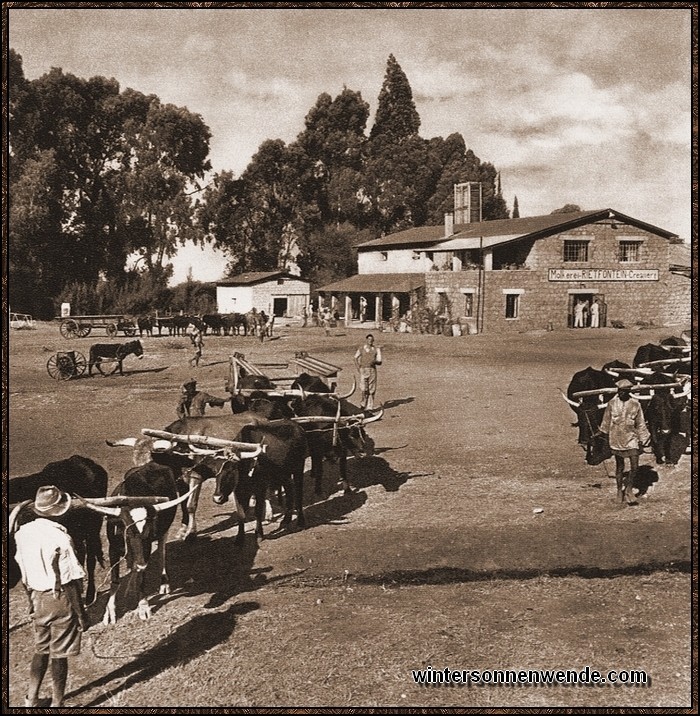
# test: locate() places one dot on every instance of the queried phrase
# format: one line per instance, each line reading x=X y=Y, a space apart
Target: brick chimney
x=467 y=201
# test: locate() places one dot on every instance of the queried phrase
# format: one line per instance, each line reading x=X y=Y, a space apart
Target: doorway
x=587 y=300
x=279 y=306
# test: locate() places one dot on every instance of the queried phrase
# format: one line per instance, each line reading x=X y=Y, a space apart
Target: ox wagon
x=81 y=326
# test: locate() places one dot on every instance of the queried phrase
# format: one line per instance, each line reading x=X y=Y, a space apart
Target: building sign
x=596 y=274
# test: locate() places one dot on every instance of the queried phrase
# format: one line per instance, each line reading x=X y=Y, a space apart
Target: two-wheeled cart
x=66 y=365
x=82 y=326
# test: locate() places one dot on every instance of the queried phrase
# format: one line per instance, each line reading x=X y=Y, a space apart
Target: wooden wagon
x=82 y=326
x=239 y=367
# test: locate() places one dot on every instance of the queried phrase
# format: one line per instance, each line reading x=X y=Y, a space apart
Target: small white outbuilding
x=277 y=293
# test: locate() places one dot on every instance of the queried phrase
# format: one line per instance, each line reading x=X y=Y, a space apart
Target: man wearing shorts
x=53 y=578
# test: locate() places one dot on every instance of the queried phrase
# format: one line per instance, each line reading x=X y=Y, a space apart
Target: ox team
x=624 y=410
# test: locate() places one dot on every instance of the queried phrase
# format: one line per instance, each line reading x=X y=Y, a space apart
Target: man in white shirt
x=367 y=358
x=53 y=578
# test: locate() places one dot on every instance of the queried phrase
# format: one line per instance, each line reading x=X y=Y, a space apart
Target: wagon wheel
x=70 y=328
x=84 y=330
x=61 y=366
x=107 y=367
x=80 y=363
x=112 y=329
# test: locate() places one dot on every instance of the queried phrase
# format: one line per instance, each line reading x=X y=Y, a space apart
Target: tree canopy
x=98 y=174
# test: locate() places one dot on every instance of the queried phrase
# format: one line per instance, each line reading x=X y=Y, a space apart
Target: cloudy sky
x=590 y=106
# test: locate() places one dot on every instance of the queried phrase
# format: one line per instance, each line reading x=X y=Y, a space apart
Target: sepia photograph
x=349 y=356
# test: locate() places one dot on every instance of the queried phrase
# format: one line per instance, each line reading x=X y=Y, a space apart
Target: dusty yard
x=479 y=538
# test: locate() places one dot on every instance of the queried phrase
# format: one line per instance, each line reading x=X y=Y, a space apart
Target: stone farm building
x=277 y=293
x=522 y=274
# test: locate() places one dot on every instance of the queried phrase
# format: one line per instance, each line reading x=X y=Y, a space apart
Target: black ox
x=139 y=514
x=667 y=414
x=75 y=475
x=113 y=353
x=341 y=434
x=589 y=408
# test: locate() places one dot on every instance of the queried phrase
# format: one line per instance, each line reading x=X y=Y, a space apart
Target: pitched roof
x=376 y=283
x=501 y=231
x=253 y=277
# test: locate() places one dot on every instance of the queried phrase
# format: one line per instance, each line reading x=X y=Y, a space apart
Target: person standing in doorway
x=595 y=314
x=578 y=314
x=52 y=576
x=367 y=358
x=363 y=309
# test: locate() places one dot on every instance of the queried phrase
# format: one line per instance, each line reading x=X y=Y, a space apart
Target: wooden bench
x=315 y=366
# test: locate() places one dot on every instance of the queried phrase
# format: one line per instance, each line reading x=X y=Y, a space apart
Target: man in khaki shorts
x=53 y=578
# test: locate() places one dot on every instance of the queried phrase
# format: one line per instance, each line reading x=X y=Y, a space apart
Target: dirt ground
x=479 y=538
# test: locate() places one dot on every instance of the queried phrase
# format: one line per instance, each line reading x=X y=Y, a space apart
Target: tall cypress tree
x=516 y=210
x=397 y=118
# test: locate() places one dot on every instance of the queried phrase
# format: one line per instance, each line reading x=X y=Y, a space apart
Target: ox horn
x=124 y=442
x=345 y=396
x=252 y=454
x=15 y=511
x=569 y=401
x=104 y=509
x=172 y=503
x=373 y=418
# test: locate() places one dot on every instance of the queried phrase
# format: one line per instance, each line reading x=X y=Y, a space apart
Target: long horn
x=345 y=396
x=200 y=440
x=597 y=391
x=248 y=455
x=124 y=442
x=15 y=512
x=104 y=510
x=373 y=418
x=314 y=419
x=202 y=451
x=172 y=503
x=570 y=402
x=125 y=500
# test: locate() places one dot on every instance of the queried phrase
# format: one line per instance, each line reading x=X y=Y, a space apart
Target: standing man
x=367 y=358
x=623 y=421
x=595 y=314
x=53 y=578
x=198 y=343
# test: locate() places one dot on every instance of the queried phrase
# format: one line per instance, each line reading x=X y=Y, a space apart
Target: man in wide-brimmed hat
x=623 y=421
x=53 y=576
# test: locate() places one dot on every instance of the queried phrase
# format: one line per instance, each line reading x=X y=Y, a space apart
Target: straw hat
x=624 y=383
x=51 y=502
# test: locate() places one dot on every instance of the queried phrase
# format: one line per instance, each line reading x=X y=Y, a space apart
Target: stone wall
x=547 y=304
